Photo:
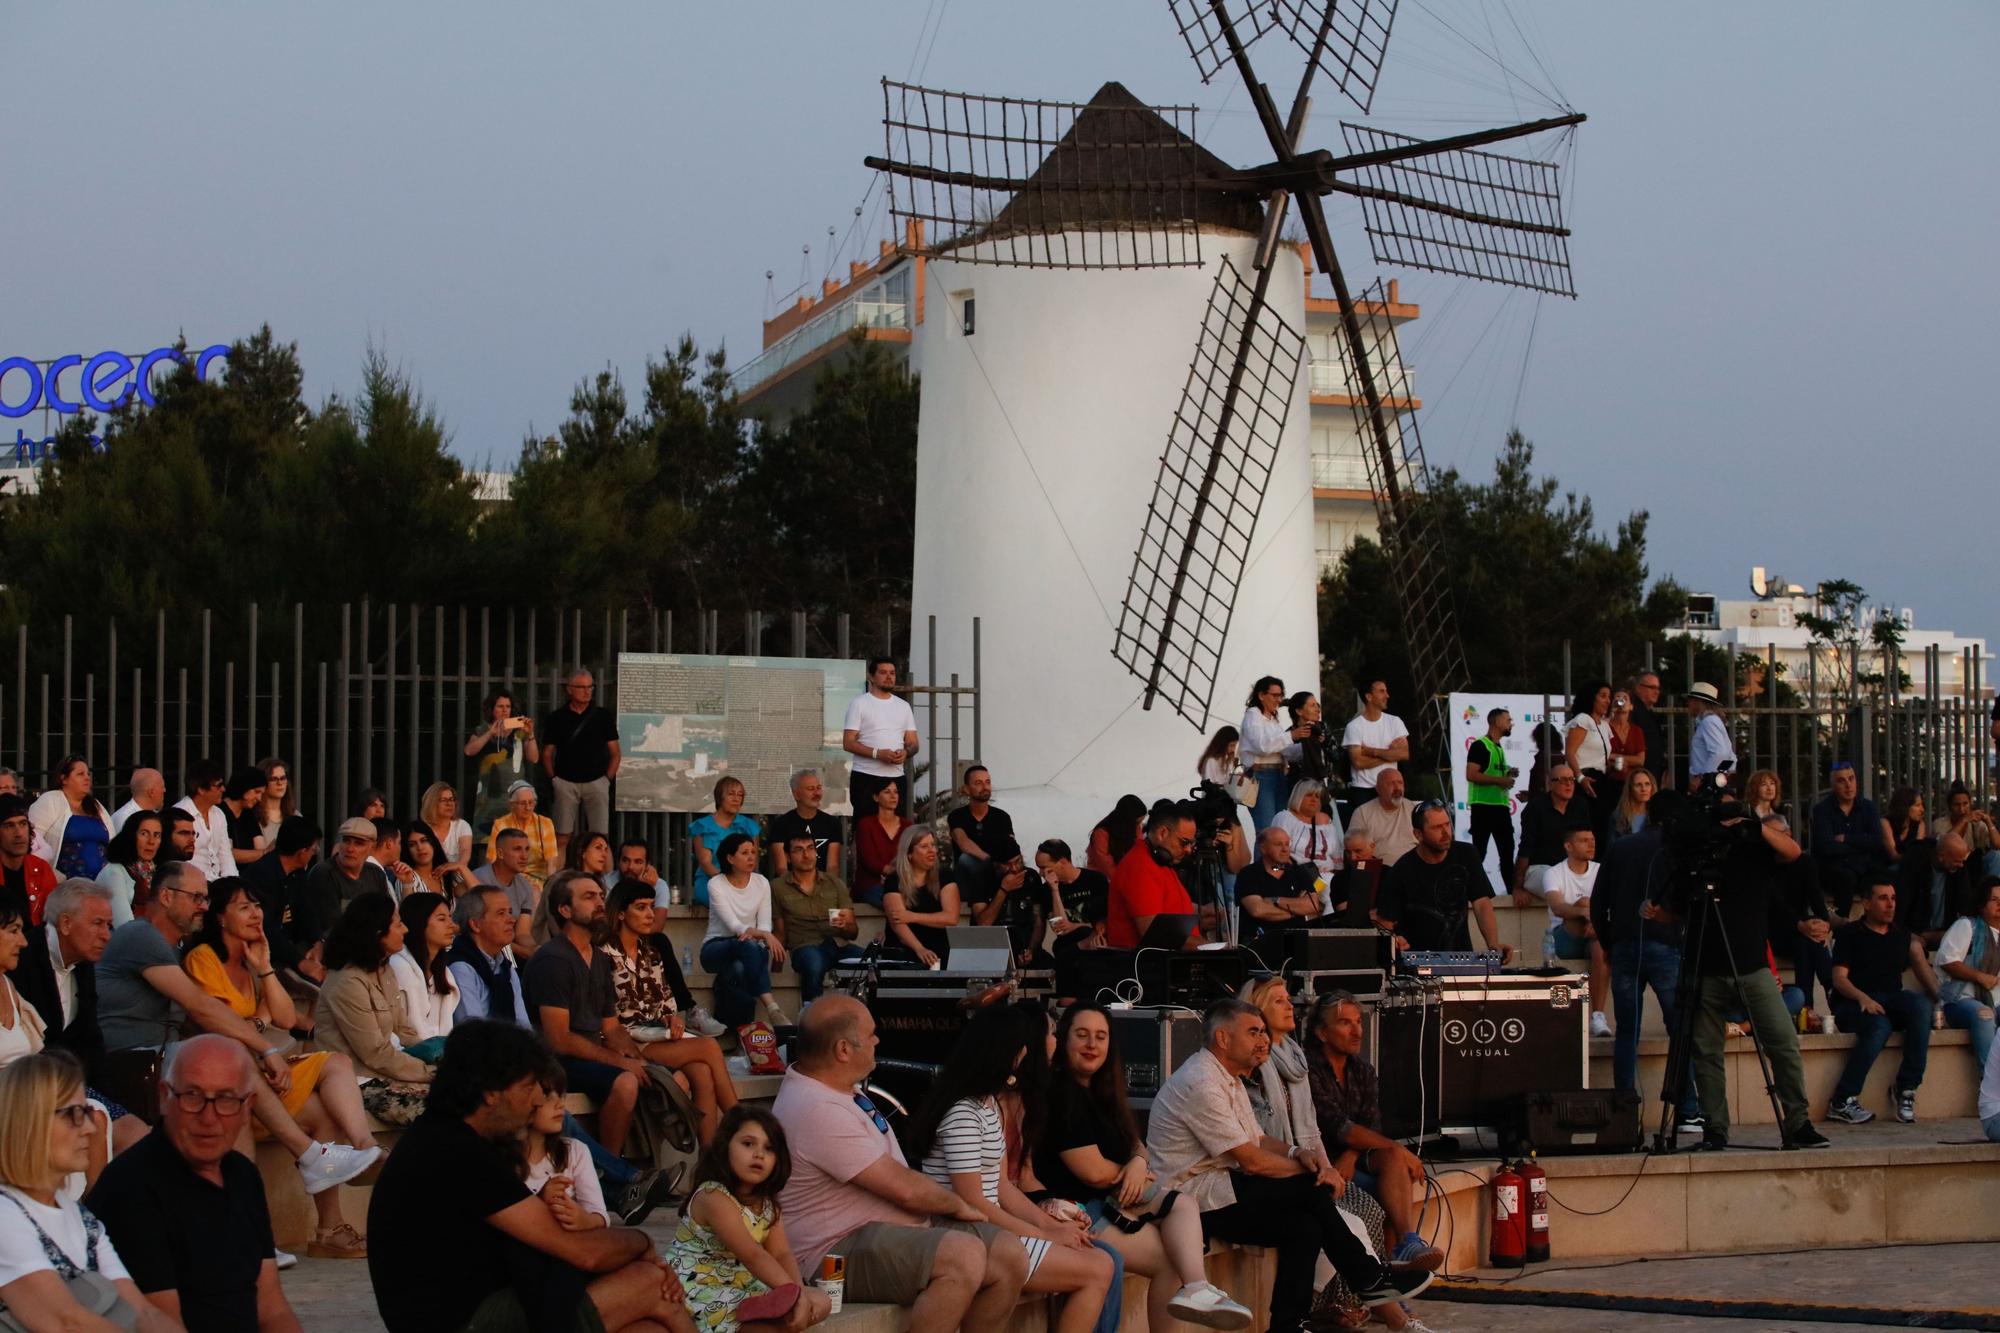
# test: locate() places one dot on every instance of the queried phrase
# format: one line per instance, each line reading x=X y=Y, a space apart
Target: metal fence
x=1924 y=740
x=373 y=696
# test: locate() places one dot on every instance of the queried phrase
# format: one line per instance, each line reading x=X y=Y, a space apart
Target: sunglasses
x=861 y=1100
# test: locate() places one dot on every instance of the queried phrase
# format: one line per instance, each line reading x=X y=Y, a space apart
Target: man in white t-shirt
x=880 y=731
x=149 y=793
x=1968 y=967
x=1375 y=740
x=1566 y=890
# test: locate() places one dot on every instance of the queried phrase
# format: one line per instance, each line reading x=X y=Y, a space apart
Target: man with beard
x=178 y=845
x=1147 y=897
x=1423 y=900
x=574 y=1000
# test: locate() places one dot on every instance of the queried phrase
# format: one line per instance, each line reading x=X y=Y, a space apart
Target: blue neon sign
x=101 y=383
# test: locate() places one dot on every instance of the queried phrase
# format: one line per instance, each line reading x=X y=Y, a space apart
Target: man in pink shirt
x=906 y=1239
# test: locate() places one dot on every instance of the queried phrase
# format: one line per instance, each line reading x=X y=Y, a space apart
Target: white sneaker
x=326 y=1165
x=1600 y=1026
x=700 y=1022
x=1210 y=1305
x=285 y=1259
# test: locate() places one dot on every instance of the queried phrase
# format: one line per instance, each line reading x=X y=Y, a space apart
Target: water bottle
x=687 y=959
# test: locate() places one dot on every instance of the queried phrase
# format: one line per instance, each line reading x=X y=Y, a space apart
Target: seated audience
x=1869 y=956
x=1282 y=1101
x=21 y=1029
x=1566 y=888
x=507 y=871
x=1113 y=836
x=421 y=854
x=1545 y=820
x=243 y=811
x=1424 y=900
x=1084 y=896
x=1850 y=839
x=360 y=1011
x=462 y=1244
x=977 y=829
x=635 y=863
x=507 y=752
x=805 y=817
x=575 y=1004
x=437 y=811
x=129 y=860
x=1147 y=897
x=280 y=802
x=557 y=1169
x=71 y=820
x=1019 y=899
x=732 y=1234
x=388 y=858
x=740 y=949
x=1973 y=825
x=812 y=912
x=1630 y=816
x=851 y=1191
x=1384 y=823
x=1346 y=1096
x=957 y=1134
x=422 y=968
x=206 y=784
x=1204 y=1140
x=48 y=1241
x=144 y=998
x=1957 y=883
x=336 y=881
x=1314 y=831
x=706 y=834
x=649 y=990
x=186 y=1207
x=1274 y=894
x=1090 y=1153
x=538 y=833
x=149 y=792
x=58 y=969
x=1969 y=958
x=25 y=878
x=589 y=852
x=875 y=835
x=920 y=896
x=277 y=882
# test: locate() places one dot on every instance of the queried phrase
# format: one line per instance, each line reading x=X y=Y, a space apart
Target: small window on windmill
x=962 y=303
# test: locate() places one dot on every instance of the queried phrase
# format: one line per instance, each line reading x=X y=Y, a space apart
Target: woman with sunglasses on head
x=53 y=1253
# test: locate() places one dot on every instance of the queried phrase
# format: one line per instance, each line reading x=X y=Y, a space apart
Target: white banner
x=1468 y=724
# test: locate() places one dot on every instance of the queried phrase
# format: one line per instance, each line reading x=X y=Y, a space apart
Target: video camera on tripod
x=1705 y=829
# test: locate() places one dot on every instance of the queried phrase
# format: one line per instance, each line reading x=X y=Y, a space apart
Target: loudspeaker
x=1153 y=1043
x=1337 y=949
x=1588 y=1120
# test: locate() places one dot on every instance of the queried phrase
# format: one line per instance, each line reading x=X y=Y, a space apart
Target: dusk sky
x=1785 y=221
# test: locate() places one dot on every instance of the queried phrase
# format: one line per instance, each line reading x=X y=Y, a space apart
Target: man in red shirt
x=1144 y=885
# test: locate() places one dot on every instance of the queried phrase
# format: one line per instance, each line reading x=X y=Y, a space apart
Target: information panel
x=684 y=721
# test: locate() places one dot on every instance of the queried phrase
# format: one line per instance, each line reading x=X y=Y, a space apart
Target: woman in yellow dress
x=231 y=960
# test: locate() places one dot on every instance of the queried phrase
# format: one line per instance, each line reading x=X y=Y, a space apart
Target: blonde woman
x=438 y=809
x=52 y=1250
x=919 y=904
x=1313 y=829
x=1630 y=816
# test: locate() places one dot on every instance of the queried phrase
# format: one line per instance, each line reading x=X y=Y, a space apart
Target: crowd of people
x=182 y=983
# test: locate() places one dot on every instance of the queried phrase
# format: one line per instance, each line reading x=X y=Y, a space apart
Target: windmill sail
x=1220 y=451
x=1350 y=58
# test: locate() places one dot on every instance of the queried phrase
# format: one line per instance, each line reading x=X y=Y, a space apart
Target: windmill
x=1116 y=184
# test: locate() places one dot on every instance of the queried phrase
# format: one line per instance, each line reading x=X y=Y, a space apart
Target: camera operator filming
x=1723 y=880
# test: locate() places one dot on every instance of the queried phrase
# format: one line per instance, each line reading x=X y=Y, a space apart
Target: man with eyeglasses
x=144 y=999
x=186 y=1210
x=1644 y=687
x=212 y=851
x=1850 y=838
x=581 y=756
x=1148 y=901
x=907 y=1240
x=1545 y=823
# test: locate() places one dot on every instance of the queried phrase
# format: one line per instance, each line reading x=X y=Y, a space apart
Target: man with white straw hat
x=1709 y=748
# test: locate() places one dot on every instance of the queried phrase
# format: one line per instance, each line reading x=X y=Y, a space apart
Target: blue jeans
x=617 y=1172
x=1635 y=968
x=1114 y=1295
x=1904 y=1011
x=1811 y=960
x=1991 y=1124
x=1271 y=792
x=1964 y=1013
x=811 y=961
x=742 y=971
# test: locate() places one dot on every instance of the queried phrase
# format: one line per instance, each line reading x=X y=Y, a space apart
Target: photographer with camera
x=1315 y=757
x=1724 y=878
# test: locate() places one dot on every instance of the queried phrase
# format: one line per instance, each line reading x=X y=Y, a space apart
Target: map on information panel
x=685 y=721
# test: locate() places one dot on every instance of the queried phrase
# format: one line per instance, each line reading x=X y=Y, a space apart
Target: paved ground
x=333 y=1296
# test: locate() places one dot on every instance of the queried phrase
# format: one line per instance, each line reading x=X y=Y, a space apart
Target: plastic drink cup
x=833 y=1280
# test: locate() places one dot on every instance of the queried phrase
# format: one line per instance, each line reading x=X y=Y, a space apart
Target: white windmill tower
x=1073 y=246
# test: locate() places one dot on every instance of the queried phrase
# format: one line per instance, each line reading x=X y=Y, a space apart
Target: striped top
x=969 y=1139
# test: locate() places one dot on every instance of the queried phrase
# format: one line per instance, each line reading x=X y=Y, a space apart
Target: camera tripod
x=1703 y=921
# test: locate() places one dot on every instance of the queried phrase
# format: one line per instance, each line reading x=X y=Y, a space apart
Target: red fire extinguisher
x=1537 y=1182
x=1510 y=1218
